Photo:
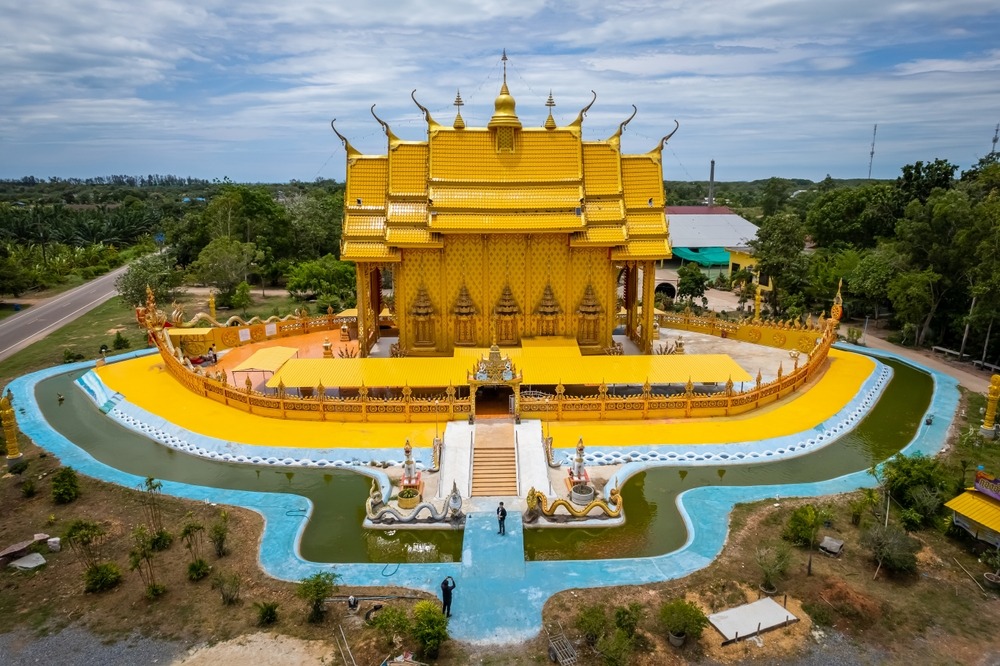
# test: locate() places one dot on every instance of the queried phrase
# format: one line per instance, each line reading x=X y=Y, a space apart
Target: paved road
x=34 y=323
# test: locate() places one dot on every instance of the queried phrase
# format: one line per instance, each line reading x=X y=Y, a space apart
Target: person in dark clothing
x=447 y=585
x=501 y=517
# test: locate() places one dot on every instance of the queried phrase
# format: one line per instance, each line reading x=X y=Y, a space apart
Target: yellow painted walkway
x=145 y=383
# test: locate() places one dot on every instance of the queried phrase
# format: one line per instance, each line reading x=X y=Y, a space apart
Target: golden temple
x=504 y=232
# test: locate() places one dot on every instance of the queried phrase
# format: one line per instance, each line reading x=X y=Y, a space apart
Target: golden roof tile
x=470 y=155
x=504 y=197
x=604 y=210
x=408 y=170
x=407 y=212
x=600 y=236
x=366 y=182
x=412 y=237
x=647 y=223
x=497 y=223
x=639 y=250
x=601 y=169
x=368 y=251
x=642 y=178
x=364 y=226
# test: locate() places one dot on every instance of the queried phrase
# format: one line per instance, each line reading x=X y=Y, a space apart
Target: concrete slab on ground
x=751 y=619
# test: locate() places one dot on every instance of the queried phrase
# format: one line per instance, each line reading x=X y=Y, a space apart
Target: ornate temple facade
x=505 y=232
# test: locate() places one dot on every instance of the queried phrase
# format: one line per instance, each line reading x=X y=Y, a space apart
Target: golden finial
x=503 y=59
x=550 y=122
x=838 y=303
x=459 y=122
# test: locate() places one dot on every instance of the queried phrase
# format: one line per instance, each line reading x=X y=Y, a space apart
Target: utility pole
x=871 y=155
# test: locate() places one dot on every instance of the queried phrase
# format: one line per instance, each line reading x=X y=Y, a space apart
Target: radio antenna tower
x=871 y=155
x=996 y=134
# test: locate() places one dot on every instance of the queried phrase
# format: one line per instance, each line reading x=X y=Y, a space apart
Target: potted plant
x=408 y=498
x=582 y=494
x=680 y=619
x=992 y=560
x=773 y=561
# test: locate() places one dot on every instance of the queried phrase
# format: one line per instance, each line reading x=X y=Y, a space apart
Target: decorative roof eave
x=621 y=127
x=432 y=125
x=352 y=152
x=364 y=251
x=659 y=147
x=393 y=139
x=583 y=112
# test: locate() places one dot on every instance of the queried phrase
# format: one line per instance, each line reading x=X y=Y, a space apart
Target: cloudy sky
x=247 y=90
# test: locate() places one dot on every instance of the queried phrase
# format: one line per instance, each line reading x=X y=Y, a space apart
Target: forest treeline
x=924 y=247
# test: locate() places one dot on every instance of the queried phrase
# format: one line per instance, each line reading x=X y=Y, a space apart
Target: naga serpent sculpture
x=538 y=502
x=378 y=511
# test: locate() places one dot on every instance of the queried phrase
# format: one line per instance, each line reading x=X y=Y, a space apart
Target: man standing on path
x=501 y=517
x=447 y=585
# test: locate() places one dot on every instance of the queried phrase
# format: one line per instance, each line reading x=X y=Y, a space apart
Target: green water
x=335 y=533
x=653 y=525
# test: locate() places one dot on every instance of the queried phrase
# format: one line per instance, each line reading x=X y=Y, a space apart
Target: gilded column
x=648 y=291
x=9 y=421
x=992 y=396
x=362 y=308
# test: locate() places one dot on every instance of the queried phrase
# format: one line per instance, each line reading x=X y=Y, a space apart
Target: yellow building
x=742 y=257
x=504 y=232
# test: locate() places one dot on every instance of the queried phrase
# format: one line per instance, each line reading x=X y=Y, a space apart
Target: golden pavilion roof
x=503 y=178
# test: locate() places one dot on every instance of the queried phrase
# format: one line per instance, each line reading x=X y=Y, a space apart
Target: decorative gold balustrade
x=811 y=339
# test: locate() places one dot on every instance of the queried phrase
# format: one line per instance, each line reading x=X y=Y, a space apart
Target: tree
x=856 y=216
x=873 y=273
x=774 y=196
x=242 y=300
x=326 y=279
x=934 y=239
x=314 y=590
x=157 y=271
x=804 y=525
x=224 y=263
x=919 y=180
x=691 y=283
x=778 y=250
x=891 y=547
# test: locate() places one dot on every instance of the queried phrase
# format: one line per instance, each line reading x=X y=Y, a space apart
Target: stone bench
x=950 y=352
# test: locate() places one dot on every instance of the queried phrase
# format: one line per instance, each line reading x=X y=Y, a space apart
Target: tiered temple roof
x=504 y=178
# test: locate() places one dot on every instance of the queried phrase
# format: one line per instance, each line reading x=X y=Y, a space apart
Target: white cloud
x=766 y=87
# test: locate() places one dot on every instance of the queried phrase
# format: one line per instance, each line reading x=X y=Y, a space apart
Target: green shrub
x=121 y=342
x=591 y=622
x=407 y=493
x=228 y=586
x=430 y=627
x=65 y=486
x=219 y=533
x=821 y=614
x=70 y=356
x=314 y=590
x=267 y=612
x=391 y=622
x=18 y=468
x=804 y=524
x=616 y=648
x=681 y=617
x=911 y=519
x=891 y=547
x=198 y=570
x=627 y=618
x=101 y=577
x=161 y=540
x=28 y=488
x=155 y=590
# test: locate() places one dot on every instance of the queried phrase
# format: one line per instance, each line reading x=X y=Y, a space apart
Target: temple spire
x=504 y=114
x=550 y=122
x=459 y=122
